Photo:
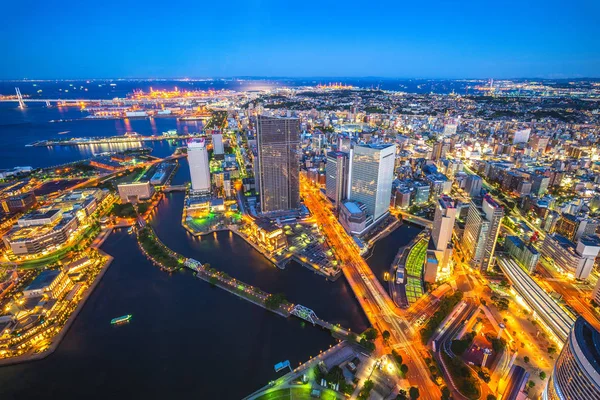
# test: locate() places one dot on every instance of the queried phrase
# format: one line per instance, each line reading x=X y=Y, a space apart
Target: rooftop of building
x=352 y=207
x=337 y=154
x=376 y=146
x=44 y=279
x=138 y=183
x=590 y=240
x=40 y=214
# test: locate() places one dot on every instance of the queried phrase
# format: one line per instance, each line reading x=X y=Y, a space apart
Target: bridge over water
x=258 y=297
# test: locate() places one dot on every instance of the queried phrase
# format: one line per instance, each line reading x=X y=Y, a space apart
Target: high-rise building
x=443 y=222
x=278 y=142
x=336 y=171
x=443 y=225
x=576 y=373
x=481 y=231
x=218 y=147
x=199 y=167
x=371 y=176
x=473 y=185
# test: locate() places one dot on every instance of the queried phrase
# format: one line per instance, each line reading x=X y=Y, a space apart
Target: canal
x=185 y=339
x=225 y=251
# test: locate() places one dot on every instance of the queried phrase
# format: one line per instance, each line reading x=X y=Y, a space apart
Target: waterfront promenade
x=291 y=383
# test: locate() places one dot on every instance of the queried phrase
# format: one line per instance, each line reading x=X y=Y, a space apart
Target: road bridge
x=175 y=188
x=424 y=222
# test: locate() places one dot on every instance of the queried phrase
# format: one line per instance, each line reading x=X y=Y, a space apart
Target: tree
x=370 y=346
x=335 y=375
x=530 y=384
x=542 y=375
x=386 y=335
x=274 y=301
x=526 y=359
x=370 y=334
x=490 y=397
x=552 y=349
x=414 y=393
x=445 y=393
x=460 y=346
x=402 y=395
x=404 y=369
x=397 y=357
x=366 y=390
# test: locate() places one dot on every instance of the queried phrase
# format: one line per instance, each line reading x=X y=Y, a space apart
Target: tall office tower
x=371 y=176
x=576 y=373
x=199 y=169
x=481 y=231
x=336 y=176
x=278 y=142
x=443 y=222
x=441 y=235
x=473 y=185
x=218 y=147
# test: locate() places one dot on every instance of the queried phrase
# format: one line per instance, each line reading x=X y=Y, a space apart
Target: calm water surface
x=186 y=339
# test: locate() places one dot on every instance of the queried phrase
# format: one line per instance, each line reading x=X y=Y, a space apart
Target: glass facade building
x=278 y=143
x=576 y=374
x=371 y=176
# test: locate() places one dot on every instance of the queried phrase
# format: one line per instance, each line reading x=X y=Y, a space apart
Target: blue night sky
x=422 y=39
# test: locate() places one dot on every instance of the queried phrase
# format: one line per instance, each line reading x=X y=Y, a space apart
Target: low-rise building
x=19 y=203
x=53 y=283
x=135 y=191
x=33 y=239
x=354 y=218
x=524 y=254
x=576 y=259
x=269 y=235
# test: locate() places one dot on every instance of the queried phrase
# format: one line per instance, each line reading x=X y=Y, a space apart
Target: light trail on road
x=373 y=298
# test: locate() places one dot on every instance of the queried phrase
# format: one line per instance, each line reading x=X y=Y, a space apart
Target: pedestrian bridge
x=298 y=310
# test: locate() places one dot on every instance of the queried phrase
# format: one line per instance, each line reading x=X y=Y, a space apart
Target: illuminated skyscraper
x=371 y=176
x=443 y=225
x=481 y=231
x=199 y=168
x=278 y=142
x=336 y=176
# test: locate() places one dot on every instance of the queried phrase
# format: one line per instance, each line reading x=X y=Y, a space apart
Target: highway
x=373 y=298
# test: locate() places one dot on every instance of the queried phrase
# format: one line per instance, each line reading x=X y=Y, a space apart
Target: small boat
x=121 y=320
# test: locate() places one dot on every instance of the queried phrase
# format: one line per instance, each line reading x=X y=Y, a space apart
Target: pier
x=107 y=140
